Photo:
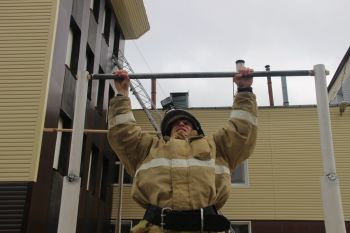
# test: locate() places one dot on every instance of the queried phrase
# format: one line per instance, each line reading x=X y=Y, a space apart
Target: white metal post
x=330 y=189
x=67 y=221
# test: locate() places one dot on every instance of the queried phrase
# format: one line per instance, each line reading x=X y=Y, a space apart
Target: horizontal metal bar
x=208 y=74
x=55 y=130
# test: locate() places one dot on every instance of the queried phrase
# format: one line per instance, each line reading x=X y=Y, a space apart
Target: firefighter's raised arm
x=244 y=79
x=123 y=85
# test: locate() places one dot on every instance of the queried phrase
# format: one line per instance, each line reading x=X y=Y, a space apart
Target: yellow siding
x=285 y=169
x=26 y=42
x=132 y=17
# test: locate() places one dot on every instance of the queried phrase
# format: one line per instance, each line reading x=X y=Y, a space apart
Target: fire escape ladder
x=154 y=116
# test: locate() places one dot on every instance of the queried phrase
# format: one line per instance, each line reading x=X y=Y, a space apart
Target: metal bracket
x=71 y=177
x=332 y=177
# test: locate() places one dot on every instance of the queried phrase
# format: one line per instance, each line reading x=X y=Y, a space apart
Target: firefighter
x=183 y=178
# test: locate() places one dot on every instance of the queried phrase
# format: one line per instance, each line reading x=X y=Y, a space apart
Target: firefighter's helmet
x=176 y=114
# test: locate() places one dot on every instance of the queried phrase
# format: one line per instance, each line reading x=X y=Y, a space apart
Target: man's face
x=181 y=126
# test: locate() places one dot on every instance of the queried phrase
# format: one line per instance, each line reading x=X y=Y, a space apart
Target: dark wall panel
x=288 y=227
x=55 y=202
x=14 y=199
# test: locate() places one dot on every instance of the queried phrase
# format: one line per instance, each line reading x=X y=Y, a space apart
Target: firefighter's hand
x=122 y=85
x=243 y=78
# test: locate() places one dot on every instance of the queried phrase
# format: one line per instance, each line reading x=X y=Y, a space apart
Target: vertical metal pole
x=67 y=221
x=284 y=91
x=118 y=218
x=330 y=189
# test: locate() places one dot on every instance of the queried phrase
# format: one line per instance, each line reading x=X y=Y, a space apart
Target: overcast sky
x=209 y=36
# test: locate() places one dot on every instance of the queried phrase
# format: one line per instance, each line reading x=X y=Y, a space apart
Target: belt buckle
x=162 y=215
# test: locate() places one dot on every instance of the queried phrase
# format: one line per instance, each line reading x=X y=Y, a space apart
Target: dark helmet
x=176 y=114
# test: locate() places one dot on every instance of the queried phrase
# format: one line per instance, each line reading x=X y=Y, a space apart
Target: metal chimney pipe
x=269 y=86
x=284 y=91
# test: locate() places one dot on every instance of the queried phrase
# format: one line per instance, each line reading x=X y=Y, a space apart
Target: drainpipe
x=269 y=86
x=154 y=93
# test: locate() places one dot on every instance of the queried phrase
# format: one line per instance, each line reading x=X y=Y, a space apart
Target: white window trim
x=58 y=144
x=69 y=47
x=246 y=177
x=117 y=184
x=88 y=175
x=249 y=223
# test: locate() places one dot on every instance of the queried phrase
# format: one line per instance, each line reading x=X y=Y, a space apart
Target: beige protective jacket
x=183 y=174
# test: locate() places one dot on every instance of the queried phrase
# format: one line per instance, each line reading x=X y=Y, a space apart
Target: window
x=104 y=178
x=89 y=66
x=117 y=35
x=125 y=226
x=240 y=175
x=82 y=161
x=111 y=94
x=127 y=178
x=100 y=92
x=73 y=47
x=64 y=146
x=241 y=227
x=106 y=24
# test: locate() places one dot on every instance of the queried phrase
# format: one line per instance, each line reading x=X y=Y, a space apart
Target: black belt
x=205 y=219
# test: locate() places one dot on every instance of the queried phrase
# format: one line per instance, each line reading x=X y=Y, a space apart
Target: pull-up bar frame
x=330 y=187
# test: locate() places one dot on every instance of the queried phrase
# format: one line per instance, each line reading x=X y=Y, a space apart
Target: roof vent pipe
x=239 y=65
x=284 y=91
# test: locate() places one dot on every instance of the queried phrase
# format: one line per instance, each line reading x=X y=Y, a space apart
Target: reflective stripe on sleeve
x=244 y=115
x=121 y=119
x=221 y=169
x=185 y=163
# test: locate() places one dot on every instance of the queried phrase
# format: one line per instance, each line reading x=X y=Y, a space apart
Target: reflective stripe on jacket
x=183 y=174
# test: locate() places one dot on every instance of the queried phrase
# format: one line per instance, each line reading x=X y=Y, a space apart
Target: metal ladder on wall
x=154 y=116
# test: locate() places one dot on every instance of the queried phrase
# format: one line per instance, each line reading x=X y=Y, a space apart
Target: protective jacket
x=183 y=174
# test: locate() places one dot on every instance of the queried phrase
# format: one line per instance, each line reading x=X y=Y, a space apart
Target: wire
x=148 y=66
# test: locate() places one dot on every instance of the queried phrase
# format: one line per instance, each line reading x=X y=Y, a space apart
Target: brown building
x=43 y=46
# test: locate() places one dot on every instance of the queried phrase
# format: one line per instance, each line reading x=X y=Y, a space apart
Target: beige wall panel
x=130 y=210
x=285 y=169
x=26 y=43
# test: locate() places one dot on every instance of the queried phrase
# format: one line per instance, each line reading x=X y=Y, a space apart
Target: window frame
x=123 y=221
x=249 y=223
x=244 y=184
